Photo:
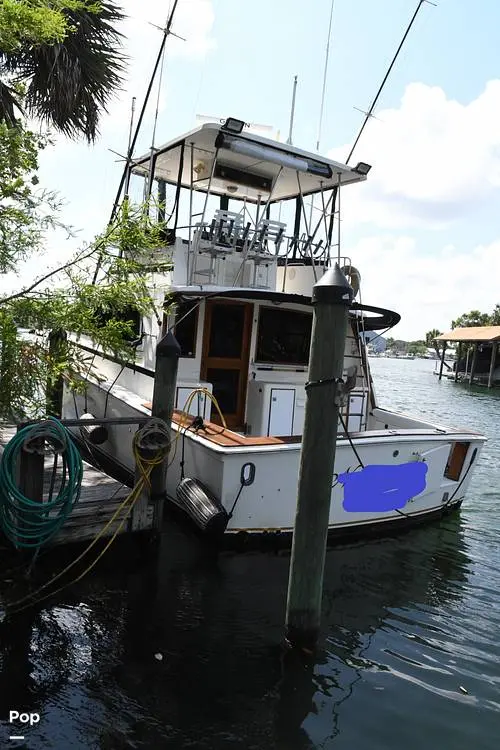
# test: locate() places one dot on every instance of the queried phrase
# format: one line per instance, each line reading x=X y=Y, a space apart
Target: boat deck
x=215 y=433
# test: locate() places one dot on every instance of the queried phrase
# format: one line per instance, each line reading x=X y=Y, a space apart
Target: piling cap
x=333 y=289
x=168 y=346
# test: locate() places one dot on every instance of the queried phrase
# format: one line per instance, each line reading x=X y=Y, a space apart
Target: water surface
x=409 y=654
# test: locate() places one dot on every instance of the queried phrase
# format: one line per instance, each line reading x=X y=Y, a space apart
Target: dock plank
x=100 y=498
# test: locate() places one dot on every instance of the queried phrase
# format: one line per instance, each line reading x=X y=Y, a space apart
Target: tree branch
x=83 y=256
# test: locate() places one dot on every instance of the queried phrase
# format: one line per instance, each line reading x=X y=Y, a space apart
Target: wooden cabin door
x=224 y=363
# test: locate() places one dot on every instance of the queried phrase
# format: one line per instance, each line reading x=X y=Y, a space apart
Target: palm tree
x=429 y=340
x=68 y=84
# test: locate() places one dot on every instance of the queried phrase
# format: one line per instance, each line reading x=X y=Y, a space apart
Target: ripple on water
x=409 y=655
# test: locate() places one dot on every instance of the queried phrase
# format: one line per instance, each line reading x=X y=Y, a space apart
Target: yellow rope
x=145 y=466
x=185 y=417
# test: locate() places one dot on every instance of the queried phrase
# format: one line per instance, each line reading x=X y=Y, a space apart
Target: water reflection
x=87 y=662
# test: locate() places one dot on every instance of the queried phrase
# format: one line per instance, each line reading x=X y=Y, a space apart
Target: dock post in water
x=167 y=360
x=152 y=439
x=332 y=297
x=442 y=359
x=474 y=364
x=457 y=362
x=494 y=347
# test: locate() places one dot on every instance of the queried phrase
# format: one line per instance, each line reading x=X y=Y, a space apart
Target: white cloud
x=434 y=160
x=427 y=291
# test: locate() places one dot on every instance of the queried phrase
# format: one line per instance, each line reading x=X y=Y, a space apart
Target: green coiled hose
x=26 y=523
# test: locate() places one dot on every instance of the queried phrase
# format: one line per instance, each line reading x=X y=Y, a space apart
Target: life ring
x=353 y=277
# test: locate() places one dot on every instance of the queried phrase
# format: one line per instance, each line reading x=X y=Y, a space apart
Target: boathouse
x=476 y=356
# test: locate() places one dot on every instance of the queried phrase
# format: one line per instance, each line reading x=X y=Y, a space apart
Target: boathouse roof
x=485 y=334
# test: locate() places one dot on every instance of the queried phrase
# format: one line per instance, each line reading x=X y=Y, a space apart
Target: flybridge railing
x=268 y=238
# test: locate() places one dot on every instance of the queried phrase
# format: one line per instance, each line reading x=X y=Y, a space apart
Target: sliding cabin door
x=226 y=344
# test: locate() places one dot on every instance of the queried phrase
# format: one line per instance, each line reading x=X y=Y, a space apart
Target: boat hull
x=266 y=505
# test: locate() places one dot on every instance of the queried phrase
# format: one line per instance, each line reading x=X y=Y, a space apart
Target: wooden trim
x=456 y=460
x=239 y=364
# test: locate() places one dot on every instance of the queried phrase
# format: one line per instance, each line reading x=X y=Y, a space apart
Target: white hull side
x=269 y=504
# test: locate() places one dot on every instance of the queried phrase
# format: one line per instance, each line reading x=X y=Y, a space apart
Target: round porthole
x=396 y=453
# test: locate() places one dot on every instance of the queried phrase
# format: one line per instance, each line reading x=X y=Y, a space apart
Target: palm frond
x=69 y=85
x=8 y=104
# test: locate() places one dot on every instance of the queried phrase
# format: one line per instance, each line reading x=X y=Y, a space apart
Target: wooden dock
x=100 y=498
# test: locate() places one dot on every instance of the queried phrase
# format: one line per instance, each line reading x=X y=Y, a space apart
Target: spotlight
x=232 y=125
x=362 y=168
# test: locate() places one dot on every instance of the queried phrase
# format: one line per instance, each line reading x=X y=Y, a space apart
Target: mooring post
x=474 y=363
x=332 y=297
x=55 y=387
x=457 y=362
x=151 y=439
x=442 y=359
x=167 y=360
x=494 y=346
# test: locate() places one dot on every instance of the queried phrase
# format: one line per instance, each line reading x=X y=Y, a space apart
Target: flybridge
x=237 y=209
x=218 y=159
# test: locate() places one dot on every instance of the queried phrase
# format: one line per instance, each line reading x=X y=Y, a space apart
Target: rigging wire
x=373 y=105
x=166 y=32
x=384 y=80
x=149 y=181
x=325 y=72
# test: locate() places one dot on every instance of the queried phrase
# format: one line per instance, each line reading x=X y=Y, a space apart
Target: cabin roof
x=254 y=163
x=382 y=318
x=486 y=334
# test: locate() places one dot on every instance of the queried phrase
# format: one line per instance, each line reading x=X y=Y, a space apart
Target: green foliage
x=33 y=22
x=417 y=347
x=26 y=212
x=472 y=318
x=67 y=53
x=24 y=22
x=495 y=316
x=22 y=370
x=103 y=312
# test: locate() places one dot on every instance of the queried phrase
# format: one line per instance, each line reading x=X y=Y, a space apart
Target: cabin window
x=185 y=331
x=226 y=331
x=284 y=336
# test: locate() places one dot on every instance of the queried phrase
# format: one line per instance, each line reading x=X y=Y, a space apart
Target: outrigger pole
x=125 y=178
x=166 y=32
x=369 y=113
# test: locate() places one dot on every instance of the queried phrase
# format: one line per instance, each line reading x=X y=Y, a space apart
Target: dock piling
x=332 y=297
x=474 y=363
x=442 y=359
x=55 y=388
x=151 y=439
x=494 y=347
x=167 y=360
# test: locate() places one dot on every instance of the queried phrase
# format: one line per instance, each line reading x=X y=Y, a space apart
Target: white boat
x=244 y=260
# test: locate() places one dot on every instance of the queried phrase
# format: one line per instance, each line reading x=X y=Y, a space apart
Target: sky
x=424 y=230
